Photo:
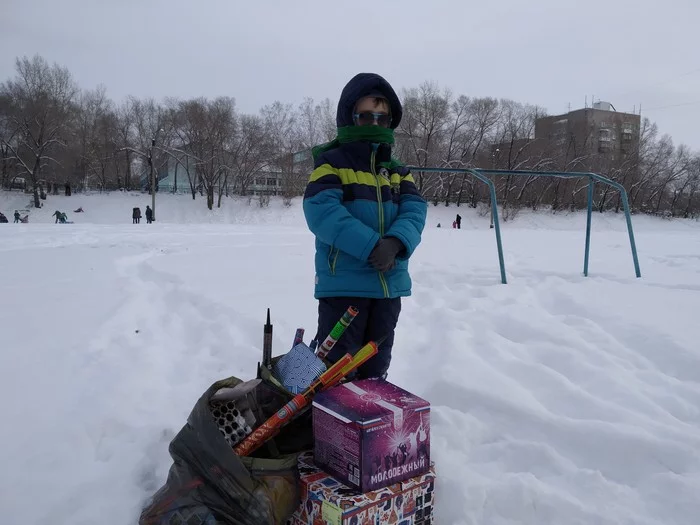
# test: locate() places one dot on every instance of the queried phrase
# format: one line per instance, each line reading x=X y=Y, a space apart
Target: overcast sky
x=546 y=52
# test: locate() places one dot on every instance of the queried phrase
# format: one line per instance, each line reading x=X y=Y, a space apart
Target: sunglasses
x=367 y=118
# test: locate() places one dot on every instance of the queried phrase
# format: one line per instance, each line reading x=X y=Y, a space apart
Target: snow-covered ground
x=557 y=399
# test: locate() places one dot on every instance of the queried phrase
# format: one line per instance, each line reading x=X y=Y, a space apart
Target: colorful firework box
x=326 y=501
x=370 y=434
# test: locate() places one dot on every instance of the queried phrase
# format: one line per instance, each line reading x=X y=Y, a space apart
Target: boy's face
x=372 y=111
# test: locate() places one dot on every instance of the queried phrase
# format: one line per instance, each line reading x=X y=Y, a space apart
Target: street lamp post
x=153 y=180
x=153 y=173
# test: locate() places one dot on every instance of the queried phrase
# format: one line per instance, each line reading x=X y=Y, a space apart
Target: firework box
x=327 y=501
x=370 y=434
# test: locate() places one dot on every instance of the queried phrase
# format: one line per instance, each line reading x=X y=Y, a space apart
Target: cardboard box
x=370 y=434
x=326 y=501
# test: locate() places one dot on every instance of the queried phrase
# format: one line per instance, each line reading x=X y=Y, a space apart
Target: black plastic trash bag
x=210 y=484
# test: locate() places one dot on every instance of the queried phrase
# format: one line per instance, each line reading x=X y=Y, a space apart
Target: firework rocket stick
x=274 y=424
x=338 y=330
x=267 y=342
x=271 y=427
x=298 y=337
x=329 y=378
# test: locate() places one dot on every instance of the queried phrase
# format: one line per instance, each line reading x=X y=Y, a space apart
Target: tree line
x=52 y=132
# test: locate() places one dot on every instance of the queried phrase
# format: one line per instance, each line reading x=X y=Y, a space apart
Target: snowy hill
x=115 y=208
x=557 y=399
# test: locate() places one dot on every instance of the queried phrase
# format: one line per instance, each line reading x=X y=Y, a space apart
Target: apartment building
x=599 y=129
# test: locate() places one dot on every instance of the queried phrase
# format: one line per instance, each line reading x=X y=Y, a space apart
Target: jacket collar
x=362 y=151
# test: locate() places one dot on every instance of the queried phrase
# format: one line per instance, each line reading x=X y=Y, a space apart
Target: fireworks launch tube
x=338 y=330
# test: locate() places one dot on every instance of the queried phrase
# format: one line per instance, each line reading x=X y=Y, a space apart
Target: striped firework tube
x=338 y=330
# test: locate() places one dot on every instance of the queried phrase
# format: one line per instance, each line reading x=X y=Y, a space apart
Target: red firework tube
x=284 y=415
x=338 y=330
x=270 y=427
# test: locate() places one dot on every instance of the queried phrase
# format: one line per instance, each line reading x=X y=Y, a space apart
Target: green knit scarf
x=374 y=134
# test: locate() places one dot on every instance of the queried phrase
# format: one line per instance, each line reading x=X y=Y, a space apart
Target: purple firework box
x=370 y=434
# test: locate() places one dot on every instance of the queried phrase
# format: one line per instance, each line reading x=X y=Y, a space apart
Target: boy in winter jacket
x=368 y=217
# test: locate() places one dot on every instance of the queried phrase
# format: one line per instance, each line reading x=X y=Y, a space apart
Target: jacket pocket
x=333 y=259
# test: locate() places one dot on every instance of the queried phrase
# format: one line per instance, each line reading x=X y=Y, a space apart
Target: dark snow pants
x=376 y=318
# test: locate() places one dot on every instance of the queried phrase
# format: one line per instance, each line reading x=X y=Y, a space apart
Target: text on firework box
x=326 y=501
x=371 y=433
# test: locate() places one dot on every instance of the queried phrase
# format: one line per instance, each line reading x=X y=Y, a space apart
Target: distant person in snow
x=17 y=216
x=458 y=221
x=59 y=216
x=136 y=215
x=149 y=215
x=368 y=217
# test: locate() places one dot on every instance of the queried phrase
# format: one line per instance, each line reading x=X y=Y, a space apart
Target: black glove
x=384 y=252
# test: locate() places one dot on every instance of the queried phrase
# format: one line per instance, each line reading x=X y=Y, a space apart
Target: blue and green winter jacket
x=351 y=201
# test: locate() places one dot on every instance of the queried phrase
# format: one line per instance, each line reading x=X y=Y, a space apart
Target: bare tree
x=690 y=192
x=515 y=149
x=249 y=152
x=177 y=150
x=471 y=124
x=293 y=134
x=206 y=129
x=41 y=98
x=654 y=157
x=105 y=163
x=315 y=123
x=422 y=127
x=683 y=185
x=8 y=133
x=675 y=167
x=125 y=141
x=482 y=116
x=149 y=122
x=281 y=126
x=95 y=131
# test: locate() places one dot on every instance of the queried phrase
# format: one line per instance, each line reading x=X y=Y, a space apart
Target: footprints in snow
x=553 y=345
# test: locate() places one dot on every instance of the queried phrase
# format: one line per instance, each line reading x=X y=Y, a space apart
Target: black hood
x=362 y=85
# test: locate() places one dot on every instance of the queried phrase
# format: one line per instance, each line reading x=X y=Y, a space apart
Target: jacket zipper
x=381 y=211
